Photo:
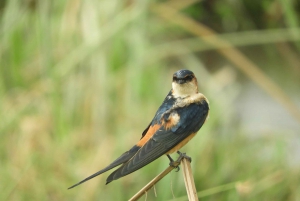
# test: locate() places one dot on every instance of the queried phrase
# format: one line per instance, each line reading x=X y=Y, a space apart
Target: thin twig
x=156 y=179
x=187 y=174
x=151 y=183
x=189 y=180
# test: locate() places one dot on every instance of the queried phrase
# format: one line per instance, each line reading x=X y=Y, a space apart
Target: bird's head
x=184 y=84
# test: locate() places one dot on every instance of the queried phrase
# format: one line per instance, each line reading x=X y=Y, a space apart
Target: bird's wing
x=146 y=130
x=166 y=105
x=146 y=135
x=191 y=119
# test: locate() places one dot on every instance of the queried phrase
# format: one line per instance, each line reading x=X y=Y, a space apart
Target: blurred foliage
x=80 y=81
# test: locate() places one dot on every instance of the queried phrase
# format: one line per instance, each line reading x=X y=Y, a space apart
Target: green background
x=80 y=81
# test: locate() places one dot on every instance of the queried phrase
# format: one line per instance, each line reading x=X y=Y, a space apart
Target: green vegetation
x=80 y=80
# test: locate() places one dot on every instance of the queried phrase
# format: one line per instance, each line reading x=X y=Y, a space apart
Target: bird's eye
x=182 y=80
x=189 y=77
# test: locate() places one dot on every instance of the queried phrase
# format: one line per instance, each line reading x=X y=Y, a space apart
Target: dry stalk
x=188 y=179
x=151 y=183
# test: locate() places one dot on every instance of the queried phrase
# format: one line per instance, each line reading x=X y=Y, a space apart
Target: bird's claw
x=183 y=155
x=175 y=164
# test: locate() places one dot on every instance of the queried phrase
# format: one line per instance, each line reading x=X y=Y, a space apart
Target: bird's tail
x=93 y=175
x=122 y=159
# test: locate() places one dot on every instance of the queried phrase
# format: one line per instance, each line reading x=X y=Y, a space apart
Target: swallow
x=177 y=120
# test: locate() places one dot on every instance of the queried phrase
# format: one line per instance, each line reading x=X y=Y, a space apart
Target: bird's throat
x=184 y=90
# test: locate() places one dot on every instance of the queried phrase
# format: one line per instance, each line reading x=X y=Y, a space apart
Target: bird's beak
x=180 y=81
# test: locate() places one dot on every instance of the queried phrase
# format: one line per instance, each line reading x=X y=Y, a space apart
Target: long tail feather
x=122 y=159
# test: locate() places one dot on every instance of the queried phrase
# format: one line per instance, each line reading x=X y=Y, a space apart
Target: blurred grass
x=80 y=80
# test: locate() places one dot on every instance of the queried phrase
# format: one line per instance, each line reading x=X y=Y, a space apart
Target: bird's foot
x=183 y=155
x=176 y=163
x=173 y=163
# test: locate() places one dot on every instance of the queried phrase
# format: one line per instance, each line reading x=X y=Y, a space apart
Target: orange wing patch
x=148 y=135
x=172 y=121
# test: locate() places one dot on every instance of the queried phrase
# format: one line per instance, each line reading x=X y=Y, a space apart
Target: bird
x=177 y=120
